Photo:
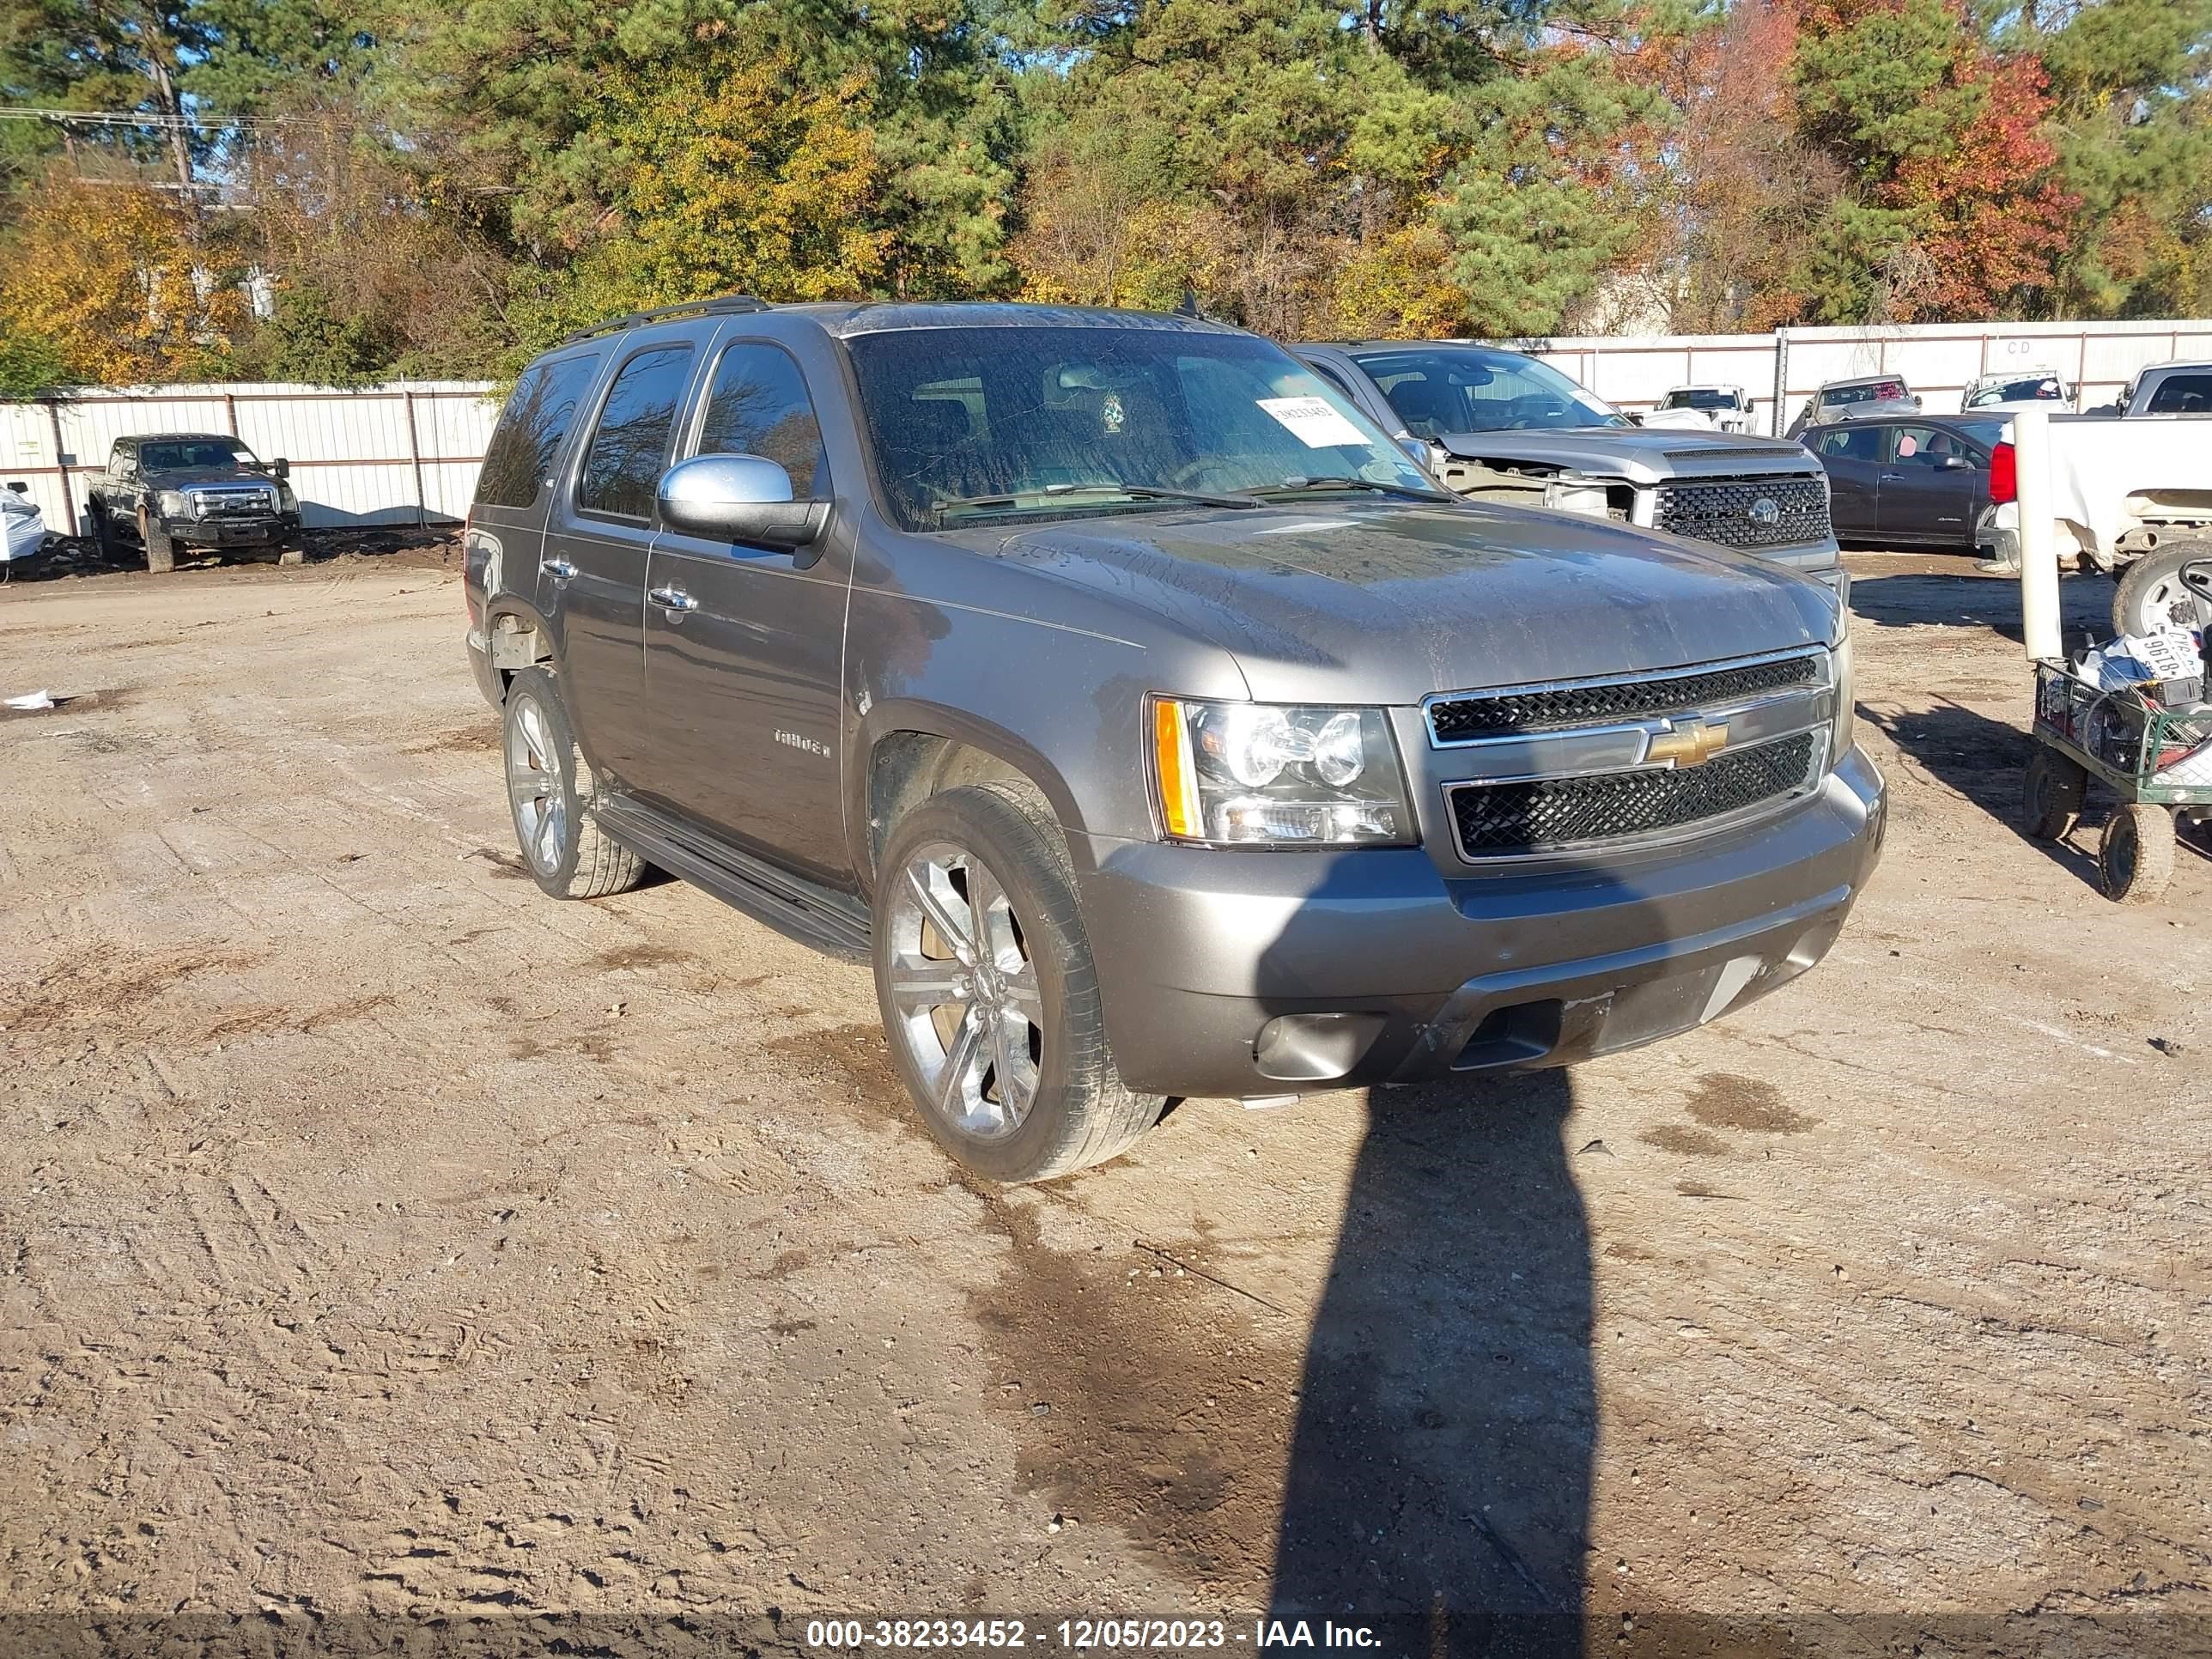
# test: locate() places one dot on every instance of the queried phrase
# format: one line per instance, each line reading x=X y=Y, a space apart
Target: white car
x=23 y=526
x=1716 y=408
x=2017 y=389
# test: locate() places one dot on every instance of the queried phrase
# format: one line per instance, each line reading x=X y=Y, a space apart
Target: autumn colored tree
x=108 y=279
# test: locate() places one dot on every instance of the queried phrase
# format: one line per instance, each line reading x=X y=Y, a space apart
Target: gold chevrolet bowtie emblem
x=1690 y=741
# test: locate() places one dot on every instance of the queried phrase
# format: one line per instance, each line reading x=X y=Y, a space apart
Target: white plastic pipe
x=2039 y=551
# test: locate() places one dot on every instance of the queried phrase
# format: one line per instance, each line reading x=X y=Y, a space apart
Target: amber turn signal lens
x=1172 y=765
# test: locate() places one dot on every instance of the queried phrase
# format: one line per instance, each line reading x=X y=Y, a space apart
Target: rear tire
x=2050 y=795
x=553 y=798
x=1016 y=992
x=2135 y=859
x=2151 y=596
x=97 y=532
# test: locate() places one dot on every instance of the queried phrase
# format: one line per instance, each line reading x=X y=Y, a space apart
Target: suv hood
x=1644 y=455
x=1385 y=602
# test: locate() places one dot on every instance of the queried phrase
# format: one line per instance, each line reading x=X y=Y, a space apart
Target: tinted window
x=193 y=452
x=1700 y=398
x=531 y=428
x=1867 y=391
x=2182 y=394
x=2035 y=388
x=973 y=423
x=1852 y=443
x=759 y=406
x=1470 y=389
x=625 y=462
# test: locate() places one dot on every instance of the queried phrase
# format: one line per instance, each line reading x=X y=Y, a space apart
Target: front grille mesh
x=231 y=503
x=1498 y=820
x=1720 y=511
x=1458 y=719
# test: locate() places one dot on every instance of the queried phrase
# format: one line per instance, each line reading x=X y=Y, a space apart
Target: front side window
x=972 y=423
x=1445 y=389
x=758 y=406
x=172 y=454
x=622 y=469
x=2182 y=394
x=519 y=461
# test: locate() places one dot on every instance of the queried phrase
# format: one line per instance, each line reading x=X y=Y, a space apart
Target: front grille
x=1456 y=720
x=1720 y=511
x=233 y=503
x=1504 y=819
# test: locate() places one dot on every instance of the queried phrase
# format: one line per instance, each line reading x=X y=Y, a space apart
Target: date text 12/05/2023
x=1080 y=1635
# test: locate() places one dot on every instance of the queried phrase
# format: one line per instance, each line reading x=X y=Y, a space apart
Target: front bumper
x=1261 y=973
x=235 y=533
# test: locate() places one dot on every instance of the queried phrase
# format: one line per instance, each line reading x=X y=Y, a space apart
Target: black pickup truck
x=163 y=491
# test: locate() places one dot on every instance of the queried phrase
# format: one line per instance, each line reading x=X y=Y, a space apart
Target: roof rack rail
x=720 y=303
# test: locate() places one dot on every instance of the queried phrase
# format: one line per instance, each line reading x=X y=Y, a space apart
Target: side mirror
x=739 y=498
x=280 y=467
x=20 y=486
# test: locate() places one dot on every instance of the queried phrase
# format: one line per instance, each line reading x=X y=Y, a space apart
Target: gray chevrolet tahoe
x=1148 y=719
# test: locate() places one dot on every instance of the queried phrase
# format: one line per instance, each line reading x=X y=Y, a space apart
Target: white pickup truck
x=2131 y=497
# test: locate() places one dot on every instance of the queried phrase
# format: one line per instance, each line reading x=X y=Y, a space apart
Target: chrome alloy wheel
x=964 y=991
x=536 y=787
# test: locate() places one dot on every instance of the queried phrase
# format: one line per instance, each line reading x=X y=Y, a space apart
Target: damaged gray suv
x=1153 y=725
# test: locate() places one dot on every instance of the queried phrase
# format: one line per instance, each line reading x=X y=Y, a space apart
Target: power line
x=120 y=118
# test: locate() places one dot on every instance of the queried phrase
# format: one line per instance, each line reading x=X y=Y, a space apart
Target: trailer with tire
x=2149 y=757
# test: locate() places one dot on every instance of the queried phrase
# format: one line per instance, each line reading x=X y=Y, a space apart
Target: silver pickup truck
x=1498 y=426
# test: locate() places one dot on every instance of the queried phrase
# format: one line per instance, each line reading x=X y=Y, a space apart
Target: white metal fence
x=402 y=453
x=1782 y=370
x=408 y=452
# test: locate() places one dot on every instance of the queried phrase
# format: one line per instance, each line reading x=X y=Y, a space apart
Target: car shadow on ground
x=1438 y=1482
x=1974 y=599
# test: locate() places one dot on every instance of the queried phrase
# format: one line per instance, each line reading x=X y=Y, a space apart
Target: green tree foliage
x=438 y=187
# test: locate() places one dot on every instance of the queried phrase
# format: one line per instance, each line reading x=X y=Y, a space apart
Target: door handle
x=672 y=599
x=1892 y=477
x=559 y=570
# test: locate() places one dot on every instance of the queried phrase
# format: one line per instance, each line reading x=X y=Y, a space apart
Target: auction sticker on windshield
x=1313 y=422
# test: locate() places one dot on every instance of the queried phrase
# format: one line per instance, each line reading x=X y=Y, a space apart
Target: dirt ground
x=380 y=1237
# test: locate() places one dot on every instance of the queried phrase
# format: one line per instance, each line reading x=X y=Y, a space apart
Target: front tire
x=161 y=550
x=551 y=790
x=989 y=991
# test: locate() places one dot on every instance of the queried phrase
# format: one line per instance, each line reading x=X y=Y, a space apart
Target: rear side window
x=2182 y=394
x=623 y=465
x=530 y=430
x=759 y=406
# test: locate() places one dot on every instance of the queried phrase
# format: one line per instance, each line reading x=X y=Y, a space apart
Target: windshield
x=1865 y=392
x=1441 y=389
x=2036 y=388
x=970 y=424
x=194 y=452
x=1700 y=398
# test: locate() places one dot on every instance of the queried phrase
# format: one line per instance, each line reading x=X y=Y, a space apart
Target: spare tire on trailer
x=2151 y=595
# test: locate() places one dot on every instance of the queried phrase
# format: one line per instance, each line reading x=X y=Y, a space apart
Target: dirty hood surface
x=1386 y=603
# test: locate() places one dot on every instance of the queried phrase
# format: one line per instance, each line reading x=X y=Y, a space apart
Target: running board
x=831 y=921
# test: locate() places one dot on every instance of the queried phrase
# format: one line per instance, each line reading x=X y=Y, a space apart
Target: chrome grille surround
x=1729 y=511
x=231 y=500
x=1655 y=770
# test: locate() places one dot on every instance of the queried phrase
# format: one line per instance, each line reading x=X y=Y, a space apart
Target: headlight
x=1271 y=774
x=1576 y=498
x=174 y=505
x=1845 y=713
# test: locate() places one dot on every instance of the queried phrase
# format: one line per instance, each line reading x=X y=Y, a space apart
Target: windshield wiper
x=1136 y=492
x=1298 y=481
